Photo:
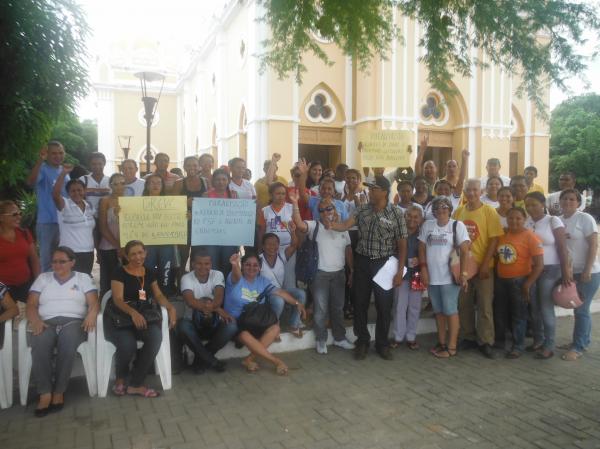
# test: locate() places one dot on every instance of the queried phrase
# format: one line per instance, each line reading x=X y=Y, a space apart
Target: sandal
x=281 y=370
x=413 y=345
x=544 y=354
x=119 y=389
x=438 y=347
x=513 y=355
x=146 y=393
x=297 y=332
x=250 y=365
x=565 y=347
x=394 y=344
x=534 y=347
x=445 y=353
x=571 y=356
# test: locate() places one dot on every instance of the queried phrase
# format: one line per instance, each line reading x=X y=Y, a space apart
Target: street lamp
x=150 y=105
x=124 y=143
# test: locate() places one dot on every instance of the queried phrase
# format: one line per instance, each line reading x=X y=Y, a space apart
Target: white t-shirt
x=95 y=191
x=455 y=200
x=276 y=222
x=544 y=228
x=486 y=200
x=577 y=227
x=245 y=191
x=439 y=241
x=339 y=186
x=553 y=203
x=505 y=181
x=136 y=188
x=199 y=290
x=62 y=299
x=76 y=227
x=276 y=273
x=332 y=247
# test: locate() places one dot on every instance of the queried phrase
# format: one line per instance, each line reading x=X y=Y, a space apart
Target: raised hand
x=293 y=195
x=465 y=154
x=234 y=259
x=44 y=153
x=291 y=226
x=68 y=168
x=424 y=142
x=276 y=157
x=302 y=166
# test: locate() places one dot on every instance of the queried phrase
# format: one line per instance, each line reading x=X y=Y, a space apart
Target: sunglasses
x=326 y=209
x=14 y=214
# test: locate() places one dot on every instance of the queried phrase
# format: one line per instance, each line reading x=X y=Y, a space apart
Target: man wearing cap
x=381 y=234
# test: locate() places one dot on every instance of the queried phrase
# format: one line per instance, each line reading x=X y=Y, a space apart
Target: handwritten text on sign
x=155 y=220
x=384 y=148
x=223 y=222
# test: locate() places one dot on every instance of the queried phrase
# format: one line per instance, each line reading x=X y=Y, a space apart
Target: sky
x=185 y=23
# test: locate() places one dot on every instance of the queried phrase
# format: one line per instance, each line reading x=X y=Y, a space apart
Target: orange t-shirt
x=515 y=253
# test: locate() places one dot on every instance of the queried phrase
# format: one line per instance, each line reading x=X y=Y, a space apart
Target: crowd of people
x=487 y=253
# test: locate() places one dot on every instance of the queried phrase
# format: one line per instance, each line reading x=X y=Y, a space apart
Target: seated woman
x=62 y=306
x=8 y=308
x=245 y=285
x=134 y=288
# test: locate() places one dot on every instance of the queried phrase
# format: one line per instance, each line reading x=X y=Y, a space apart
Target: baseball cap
x=380 y=182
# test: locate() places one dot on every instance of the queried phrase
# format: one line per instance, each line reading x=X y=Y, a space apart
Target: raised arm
x=35 y=171
x=293 y=246
x=421 y=156
x=300 y=224
x=464 y=164
x=270 y=175
x=236 y=270
x=59 y=201
x=340 y=227
x=303 y=168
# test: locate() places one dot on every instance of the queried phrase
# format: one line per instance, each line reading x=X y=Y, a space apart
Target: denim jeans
x=583 y=322
x=65 y=334
x=47 y=235
x=328 y=293
x=510 y=288
x=277 y=304
x=542 y=307
x=125 y=341
x=162 y=259
x=444 y=298
x=193 y=334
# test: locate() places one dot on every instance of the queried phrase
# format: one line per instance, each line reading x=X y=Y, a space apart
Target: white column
x=221 y=96
x=107 y=140
x=296 y=123
x=352 y=158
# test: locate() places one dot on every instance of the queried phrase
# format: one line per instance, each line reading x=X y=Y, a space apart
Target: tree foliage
x=43 y=74
x=575 y=140
x=507 y=30
x=79 y=138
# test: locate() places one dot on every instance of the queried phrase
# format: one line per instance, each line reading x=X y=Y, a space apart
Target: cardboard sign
x=385 y=148
x=223 y=222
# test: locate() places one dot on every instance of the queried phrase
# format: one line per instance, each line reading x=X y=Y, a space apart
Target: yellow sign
x=384 y=148
x=155 y=220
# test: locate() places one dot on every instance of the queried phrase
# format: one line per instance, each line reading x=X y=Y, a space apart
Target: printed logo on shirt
x=276 y=224
x=437 y=239
x=507 y=254
x=249 y=295
x=472 y=229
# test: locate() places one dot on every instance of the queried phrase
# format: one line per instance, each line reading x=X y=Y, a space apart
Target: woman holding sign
x=159 y=257
x=220 y=189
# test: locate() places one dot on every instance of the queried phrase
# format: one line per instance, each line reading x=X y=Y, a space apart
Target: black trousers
x=364 y=271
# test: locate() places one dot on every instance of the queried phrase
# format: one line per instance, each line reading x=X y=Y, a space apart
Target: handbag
x=471 y=266
x=566 y=297
x=307 y=258
x=257 y=316
x=122 y=320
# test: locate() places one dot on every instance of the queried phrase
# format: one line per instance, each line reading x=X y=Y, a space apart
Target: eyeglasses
x=326 y=209
x=13 y=214
x=60 y=262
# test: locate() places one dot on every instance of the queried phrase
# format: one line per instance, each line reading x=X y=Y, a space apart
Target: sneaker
x=321 y=347
x=344 y=344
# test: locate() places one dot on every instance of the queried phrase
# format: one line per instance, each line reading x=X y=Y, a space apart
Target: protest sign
x=223 y=222
x=155 y=220
x=384 y=148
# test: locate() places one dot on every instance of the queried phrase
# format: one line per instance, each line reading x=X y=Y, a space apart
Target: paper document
x=385 y=276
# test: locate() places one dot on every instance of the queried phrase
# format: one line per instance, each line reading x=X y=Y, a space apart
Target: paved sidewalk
x=415 y=401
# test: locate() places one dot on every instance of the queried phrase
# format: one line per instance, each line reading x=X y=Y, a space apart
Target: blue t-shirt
x=244 y=292
x=313 y=205
x=46 y=209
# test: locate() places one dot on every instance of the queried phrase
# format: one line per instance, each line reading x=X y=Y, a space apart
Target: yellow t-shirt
x=536 y=188
x=262 y=191
x=483 y=224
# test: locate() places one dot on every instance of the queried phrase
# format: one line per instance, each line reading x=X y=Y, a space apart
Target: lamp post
x=150 y=105
x=125 y=145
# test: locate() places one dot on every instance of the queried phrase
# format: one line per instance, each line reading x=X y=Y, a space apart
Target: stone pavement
x=414 y=401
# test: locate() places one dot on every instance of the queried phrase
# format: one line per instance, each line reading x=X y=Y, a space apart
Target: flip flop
x=119 y=389
x=250 y=366
x=147 y=393
x=412 y=345
x=571 y=356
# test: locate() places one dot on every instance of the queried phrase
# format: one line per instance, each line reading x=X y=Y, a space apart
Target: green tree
x=42 y=74
x=575 y=140
x=507 y=30
x=79 y=138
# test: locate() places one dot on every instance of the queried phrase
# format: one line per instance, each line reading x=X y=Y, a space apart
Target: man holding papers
x=381 y=234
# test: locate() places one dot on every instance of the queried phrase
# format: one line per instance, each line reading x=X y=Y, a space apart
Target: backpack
x=307 y=258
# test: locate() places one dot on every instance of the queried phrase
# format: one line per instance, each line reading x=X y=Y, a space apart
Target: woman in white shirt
x=505 y=203
x=490 y=197
x=437 y=240
x=62 y=306
x=442 y=188
x=582 y=241
x=551 y=232
x=76 y=220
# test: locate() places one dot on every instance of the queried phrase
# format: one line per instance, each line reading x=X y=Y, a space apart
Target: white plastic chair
x=87 y=350
x=106 y=351
x=6 y=367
